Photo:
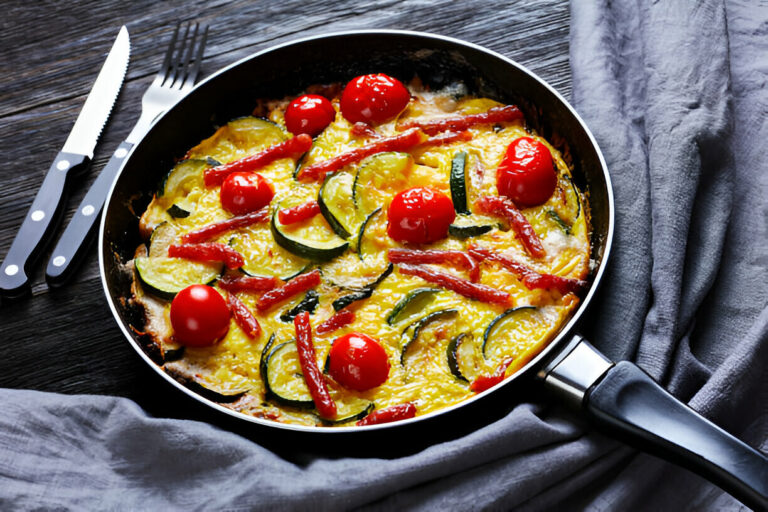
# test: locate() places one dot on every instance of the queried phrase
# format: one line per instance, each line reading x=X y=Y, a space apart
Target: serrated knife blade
x=85 y=133
x=43 y=216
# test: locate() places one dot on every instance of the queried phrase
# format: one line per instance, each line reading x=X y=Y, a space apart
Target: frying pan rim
x=559 y=342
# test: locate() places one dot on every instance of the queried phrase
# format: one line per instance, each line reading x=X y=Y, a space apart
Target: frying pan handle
x=628 y=403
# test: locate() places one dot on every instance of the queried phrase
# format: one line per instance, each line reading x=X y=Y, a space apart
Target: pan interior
x=289 y=69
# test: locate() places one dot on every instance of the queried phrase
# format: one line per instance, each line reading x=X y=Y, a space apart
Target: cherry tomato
x=309 y=114
x=358 y=362
x=526 y=173
x=373 y=99
x=245 y=192
x=420 y=215
x=199 y=316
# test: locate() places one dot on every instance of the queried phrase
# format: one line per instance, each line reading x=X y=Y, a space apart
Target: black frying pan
x=617 y=397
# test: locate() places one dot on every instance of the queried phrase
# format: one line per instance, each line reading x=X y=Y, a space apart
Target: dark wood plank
x=66 y=340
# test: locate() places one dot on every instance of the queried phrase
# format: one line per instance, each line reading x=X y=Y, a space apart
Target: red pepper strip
x=298 y=213
x=389 y=414
x=529 y=277
x=217 y=228
x=360 y=129
x=211 y=251
x=458 y=258
x=298 y=284
x=492 y=116
x=248 y=284
x=504 y=207
x=447 y=138
x=402 y=142
x=293 y=146
x=312 y=374
x=483 y=382
x=243 y=317
x=463 y=287
x=337 y=321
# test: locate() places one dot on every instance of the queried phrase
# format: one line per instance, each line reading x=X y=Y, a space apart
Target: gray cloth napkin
x=675 y=94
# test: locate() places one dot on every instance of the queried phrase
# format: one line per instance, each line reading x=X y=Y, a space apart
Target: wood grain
x=65 y=340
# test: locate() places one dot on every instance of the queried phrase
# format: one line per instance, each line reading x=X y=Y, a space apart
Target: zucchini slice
x=350 y=410
x=309 y=241
x=377 y=179
x=265 y=259
x=414 y=303
x=283 y=378
x=184 y=177
x=308 y=303
x=165 y=277
x=362 y=294
x=364 y=245
x=464 y=358
x=162 y=237
x=510 y=324
x=458 y=183
x=239 y=138
x=412 y=332
x=469 y=226
x=336 y=205
x=559 y=221
x=177 y=212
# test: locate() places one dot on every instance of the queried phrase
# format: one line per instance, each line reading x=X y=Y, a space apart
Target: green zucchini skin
x=326 y=203
x=464 y=232
x=420 y=324
x=451 y=353
x=271 y=367
x=309 y=303
x=153 y=272
x=177 y=212
x=491 y=326
x=361 y=233
x=458 y=183
x=303 y=249
x=363 y=294
x=263 y=359
x=409 y=299
x=364 y=410
x=559 y=221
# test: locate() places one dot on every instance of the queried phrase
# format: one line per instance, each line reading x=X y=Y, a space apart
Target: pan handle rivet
x=121 y=152
x=59 y=261
x=11 y=270
x=88 y=210
x=63 y=165
x=37 y=215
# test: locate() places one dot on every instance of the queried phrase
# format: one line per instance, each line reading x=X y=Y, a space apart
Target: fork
x=175 y=79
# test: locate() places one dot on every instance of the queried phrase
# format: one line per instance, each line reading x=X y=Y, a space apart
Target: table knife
x=46 y=209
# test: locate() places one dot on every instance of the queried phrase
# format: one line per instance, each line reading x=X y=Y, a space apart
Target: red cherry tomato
x=420 y=215
x=526 y=173
x=245 y=192
x=309 y=114
x=358 y=362
x=373 y=99
x=199 y=316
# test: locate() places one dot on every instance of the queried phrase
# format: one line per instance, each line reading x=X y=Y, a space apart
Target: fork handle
x=71 y=247
x=36 y=230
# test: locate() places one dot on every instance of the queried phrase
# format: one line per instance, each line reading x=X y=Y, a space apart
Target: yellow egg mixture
x=231 y=371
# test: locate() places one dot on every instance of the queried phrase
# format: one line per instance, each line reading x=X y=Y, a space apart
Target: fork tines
x=180 y=68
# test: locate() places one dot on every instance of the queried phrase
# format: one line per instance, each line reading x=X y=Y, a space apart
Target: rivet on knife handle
x=38 y=226
x=72 y=245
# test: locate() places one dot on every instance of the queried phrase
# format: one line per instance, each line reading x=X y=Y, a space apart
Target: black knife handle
x=69 y=251
x=631 y=405
x=38 y=226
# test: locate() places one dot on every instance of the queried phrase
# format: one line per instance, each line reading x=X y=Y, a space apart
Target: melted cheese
x=425 y=378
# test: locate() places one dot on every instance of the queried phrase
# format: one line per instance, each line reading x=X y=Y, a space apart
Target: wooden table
x=65 y=340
